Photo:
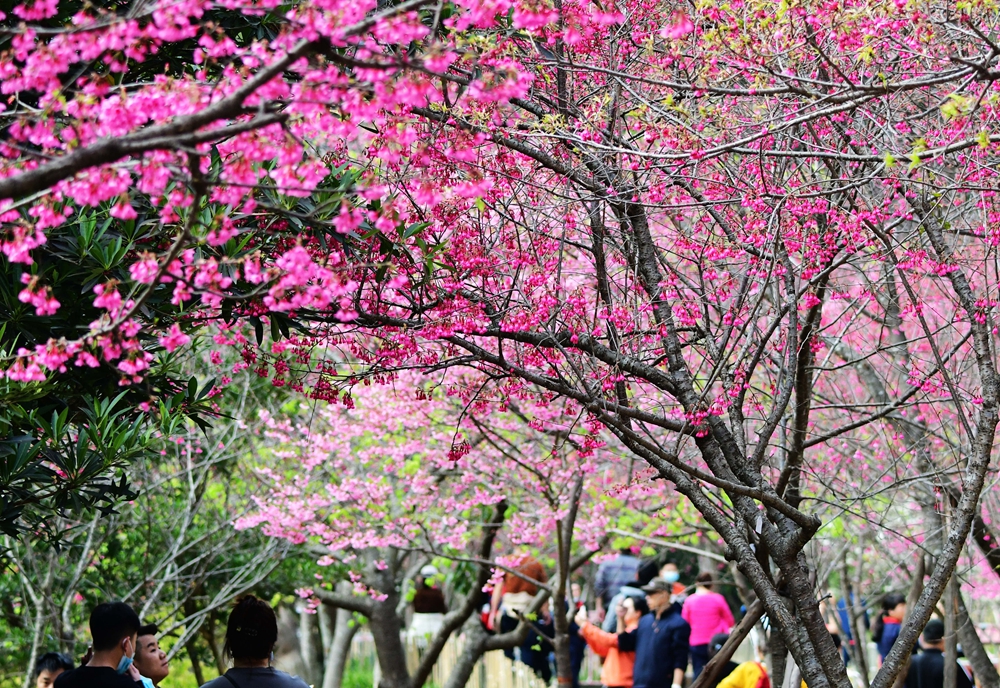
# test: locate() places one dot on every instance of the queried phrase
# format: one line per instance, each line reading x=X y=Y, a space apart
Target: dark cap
x=657 y=585
x=934 y=631
x=717 y=641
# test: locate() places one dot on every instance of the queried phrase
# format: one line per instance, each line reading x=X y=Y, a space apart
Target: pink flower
x=108 y=297
x=680 y=26
x=145 y=270
x=174 y=338
x=38 y=296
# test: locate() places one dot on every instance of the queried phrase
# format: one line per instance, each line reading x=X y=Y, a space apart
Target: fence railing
x=493 y=670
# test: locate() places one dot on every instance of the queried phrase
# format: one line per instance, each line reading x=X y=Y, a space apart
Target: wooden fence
x=494 y=670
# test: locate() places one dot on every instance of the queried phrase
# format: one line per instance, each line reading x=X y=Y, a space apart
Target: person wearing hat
x=429 y=606
x=927 y=668
x=661 y=641
x=732 y=675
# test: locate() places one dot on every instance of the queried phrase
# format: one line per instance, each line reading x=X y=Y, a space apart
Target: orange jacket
x=617 y=671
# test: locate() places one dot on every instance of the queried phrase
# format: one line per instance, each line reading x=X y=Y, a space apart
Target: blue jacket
x=660 y=645
x=889 y=634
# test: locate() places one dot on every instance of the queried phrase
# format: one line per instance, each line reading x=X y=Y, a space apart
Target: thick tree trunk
x=339 y=648
x=309 y=647
x=475 y=646
x=386 y=631
x=564 y=659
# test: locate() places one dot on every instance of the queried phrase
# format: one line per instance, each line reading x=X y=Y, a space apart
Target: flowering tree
x=406 y=473
x=154 y=170
x=706 y=226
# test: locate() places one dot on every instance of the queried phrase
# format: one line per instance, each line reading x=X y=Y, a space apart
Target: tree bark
x=950 y=637
x=736 y=637
x=199 y=675
x=340 y=646
x=309 y=648
x=972 y=645
x=386 y=631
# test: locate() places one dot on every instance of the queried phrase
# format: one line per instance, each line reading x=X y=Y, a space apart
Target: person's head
x=716 y=643
x=575 y=590
x=894 y=606
x=252 y=630
x=49 y=666
x=625 y=551
x=427 y=575
x=113 y=627
x=669 y=572
x=634 y=608
x=150 y=660
x=657 y=594
x=933 y=635
x=705 y=580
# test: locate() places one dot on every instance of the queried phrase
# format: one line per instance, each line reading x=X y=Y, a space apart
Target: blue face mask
x=671 y=576
x=146 y=683
x=124 y=663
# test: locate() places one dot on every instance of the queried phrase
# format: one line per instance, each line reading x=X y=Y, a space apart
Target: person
x=512 y=598
x=708 y=614
x=927 y=668
x=660 y=641
x=612 y=575
x=618 y=665
x=429 y=606
x=150 y=660
x=610 y=620
x=49 y=666
x=885 y=630
x=670 y=573
x=732 y=675
x=251 y=632
x=113 y=629
x=538 y=648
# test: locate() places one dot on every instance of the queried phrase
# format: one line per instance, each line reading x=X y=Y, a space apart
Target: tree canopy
x=752 y=244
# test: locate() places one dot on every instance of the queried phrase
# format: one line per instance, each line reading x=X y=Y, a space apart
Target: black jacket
x=927 y=671
x=94 y=677
x=661 y=645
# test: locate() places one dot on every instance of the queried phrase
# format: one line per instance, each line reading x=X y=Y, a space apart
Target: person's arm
x=627 y=641
x=495 y=604
x=679 y=651
x=686 y=609
x=599 y=641
x=727 y=613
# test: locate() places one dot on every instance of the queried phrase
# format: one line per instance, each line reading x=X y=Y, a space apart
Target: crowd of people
x=649 y=634
x=646 y=634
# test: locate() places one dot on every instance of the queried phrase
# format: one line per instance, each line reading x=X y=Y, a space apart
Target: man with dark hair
x=150 y=660
x=612 y=575
x=927 y=668
x=661 y=641
x=49 y=666
x=113 y=628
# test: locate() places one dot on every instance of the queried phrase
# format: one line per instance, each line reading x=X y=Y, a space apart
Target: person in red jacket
x=617 y=670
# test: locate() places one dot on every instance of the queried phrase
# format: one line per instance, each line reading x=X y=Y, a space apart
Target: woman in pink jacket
x=707 y=613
